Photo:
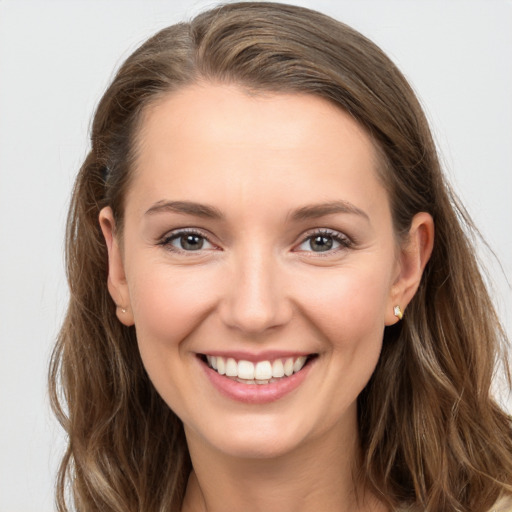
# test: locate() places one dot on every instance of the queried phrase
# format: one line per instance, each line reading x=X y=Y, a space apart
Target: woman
x=274 y=304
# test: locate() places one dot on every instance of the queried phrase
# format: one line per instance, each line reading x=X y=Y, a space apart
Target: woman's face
x=257 y=239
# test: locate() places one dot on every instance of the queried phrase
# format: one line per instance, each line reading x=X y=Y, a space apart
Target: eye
x=324 y=241
x=186 y=241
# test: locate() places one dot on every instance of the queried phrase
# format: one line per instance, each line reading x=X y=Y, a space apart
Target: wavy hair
x=432 y=436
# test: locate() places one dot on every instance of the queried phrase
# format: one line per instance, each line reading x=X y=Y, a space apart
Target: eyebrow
x=210 y=212
x=320 y=210
x=187 y=208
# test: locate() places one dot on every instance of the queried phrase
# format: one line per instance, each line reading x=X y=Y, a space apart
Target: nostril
x=254 y=302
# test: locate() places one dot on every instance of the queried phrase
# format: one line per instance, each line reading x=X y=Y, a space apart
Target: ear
x=117 y=285
x=413 y=256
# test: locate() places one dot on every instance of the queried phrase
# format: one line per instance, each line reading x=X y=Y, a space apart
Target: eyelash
x=167 y=240
x=343 y=241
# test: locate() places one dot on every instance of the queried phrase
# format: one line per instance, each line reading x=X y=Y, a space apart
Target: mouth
x=258 y=372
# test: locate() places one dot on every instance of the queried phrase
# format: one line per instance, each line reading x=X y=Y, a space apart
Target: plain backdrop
x=57 y=57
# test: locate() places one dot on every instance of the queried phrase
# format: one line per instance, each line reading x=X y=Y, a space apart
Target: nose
x=255 y=300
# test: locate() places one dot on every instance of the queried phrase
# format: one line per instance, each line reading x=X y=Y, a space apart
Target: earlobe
x=413 y=258
x=117 y=285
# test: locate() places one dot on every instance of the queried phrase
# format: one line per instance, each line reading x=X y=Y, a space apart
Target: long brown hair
x=431 y=434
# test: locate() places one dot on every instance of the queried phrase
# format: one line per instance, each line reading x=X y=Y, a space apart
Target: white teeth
x=262 y=372
x=231 y=368
x=288 y=367
x=245 y=370
x=298 y=364
x=221 y=365
x=277 y=368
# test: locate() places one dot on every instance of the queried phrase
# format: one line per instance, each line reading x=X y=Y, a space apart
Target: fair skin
x=256 y=229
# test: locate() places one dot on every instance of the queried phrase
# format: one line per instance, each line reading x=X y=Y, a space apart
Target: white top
x=502 y=505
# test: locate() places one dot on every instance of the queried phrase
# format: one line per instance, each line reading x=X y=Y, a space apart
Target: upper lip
x=266 y=355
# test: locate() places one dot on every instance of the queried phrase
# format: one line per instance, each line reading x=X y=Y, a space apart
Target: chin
x=251 y=437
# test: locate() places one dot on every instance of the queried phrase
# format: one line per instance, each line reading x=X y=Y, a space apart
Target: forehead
x=220 y=138
x=229 y=112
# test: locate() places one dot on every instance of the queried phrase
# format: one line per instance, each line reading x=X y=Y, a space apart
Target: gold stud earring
x=397 y=311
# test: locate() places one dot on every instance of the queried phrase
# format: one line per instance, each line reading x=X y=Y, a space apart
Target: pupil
x=191 y=242
x=321 y=243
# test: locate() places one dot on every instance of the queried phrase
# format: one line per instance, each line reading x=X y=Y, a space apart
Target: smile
x=260 y=372
x=276 y=375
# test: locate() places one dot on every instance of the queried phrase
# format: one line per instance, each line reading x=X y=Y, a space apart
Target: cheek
x=168 y=304
x=348 y=304
x=350 y=314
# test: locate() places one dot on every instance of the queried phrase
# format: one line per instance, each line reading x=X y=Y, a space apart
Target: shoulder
x=503 y=505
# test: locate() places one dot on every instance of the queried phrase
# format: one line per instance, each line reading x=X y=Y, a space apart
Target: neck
x=315 y=476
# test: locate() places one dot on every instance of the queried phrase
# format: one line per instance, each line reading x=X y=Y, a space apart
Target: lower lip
x=256 y=393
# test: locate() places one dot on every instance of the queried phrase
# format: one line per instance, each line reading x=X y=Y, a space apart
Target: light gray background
x=56 y=58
